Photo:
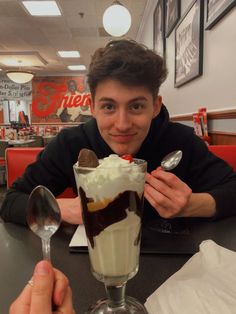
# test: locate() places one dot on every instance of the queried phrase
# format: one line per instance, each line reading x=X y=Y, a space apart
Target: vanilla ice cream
x=112 y=200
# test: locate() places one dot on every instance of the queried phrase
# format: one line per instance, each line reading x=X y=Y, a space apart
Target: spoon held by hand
x=170 y=161
x=43 y=216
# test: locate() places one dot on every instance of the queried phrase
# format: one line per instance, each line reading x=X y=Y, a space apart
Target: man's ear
x=157 y=106
x=91 y=104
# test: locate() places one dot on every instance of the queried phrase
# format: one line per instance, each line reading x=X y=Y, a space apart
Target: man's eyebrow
x=138 y=98
x=130 y=100
x=106 y=99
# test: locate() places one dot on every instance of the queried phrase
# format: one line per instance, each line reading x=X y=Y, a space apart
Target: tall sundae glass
x=112 y=204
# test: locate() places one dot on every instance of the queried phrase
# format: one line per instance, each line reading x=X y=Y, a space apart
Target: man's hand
x=171 y=197
x=71 y=210
x=49 y=286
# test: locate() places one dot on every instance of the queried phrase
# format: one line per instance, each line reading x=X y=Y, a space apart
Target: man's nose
x=123 y=120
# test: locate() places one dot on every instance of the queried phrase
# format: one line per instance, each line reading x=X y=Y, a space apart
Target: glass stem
x=46 y=249
x=116 y=295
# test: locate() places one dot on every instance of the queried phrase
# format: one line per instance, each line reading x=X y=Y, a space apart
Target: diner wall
x=221 y=125
x=215 y=89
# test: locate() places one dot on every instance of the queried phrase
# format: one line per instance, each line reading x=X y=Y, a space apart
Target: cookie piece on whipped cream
x=87 y=158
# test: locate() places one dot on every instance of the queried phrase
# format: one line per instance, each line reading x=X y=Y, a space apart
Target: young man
x=124 y=80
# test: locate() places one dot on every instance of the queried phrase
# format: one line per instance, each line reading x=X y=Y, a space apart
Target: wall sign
x=159 y=28
x=216 y=9
x=13 y=91
x=189 y=44
x=172 y=15
x=60 y=99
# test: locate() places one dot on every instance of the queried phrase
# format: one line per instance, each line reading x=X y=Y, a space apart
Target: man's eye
x=108 y=107
x=136 y=106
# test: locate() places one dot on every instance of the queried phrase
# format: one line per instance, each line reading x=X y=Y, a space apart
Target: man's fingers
x=22 y=304
x=67 y=305
x=47 y=286
x=60 y=287
x=166 y=177
x=43 y=278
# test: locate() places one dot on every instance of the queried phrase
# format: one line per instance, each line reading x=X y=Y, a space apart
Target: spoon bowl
x=170 y=161
x=43 y=216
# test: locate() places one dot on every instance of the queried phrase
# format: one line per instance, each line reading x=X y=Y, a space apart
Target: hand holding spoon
x=169 y=162
x=43 y=216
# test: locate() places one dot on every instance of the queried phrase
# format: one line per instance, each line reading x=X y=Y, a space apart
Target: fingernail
x=42 y=268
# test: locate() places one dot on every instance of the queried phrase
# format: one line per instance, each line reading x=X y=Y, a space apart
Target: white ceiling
x=39 y=38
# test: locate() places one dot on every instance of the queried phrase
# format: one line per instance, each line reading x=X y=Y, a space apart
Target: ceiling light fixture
x=42 y=8
x=116 y=19
x=19 y=76
x=69 y=54
x=79 y=67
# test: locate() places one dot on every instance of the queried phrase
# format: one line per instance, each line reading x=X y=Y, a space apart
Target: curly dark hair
x=128 y=62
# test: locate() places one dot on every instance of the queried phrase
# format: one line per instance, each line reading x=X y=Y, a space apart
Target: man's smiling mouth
x=122 y=137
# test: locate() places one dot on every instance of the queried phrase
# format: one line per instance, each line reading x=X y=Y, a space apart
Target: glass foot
x=131 y=306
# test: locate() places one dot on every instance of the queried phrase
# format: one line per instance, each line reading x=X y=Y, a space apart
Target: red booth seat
x=18 y=158
x=225 y=152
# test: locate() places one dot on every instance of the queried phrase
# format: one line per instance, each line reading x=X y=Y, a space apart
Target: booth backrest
x=225 y=152
x=18 y=158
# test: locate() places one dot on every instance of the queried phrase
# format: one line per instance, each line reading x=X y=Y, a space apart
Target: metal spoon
x=171 y=160
x=43 y=216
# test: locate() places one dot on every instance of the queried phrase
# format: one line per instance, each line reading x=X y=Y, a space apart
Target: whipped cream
x=114 y=175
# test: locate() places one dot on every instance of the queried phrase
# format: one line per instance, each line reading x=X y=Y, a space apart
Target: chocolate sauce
x=96 y=221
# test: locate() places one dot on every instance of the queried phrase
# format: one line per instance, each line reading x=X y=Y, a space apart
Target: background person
x=73 y=113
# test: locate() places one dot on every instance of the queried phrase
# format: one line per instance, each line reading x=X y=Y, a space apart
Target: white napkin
x=79 y=237
x=206 y=284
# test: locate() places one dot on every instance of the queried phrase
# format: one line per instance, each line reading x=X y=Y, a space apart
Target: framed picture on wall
x=172 y=15
x=215 y=10
x=189 y=44
x=159 y=28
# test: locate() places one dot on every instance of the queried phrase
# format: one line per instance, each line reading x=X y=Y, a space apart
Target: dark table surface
x=21 y=249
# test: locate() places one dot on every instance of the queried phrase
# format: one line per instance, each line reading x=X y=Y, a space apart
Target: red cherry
x=127 y=157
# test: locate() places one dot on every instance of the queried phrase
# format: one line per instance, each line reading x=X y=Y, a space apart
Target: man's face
x=124 y=114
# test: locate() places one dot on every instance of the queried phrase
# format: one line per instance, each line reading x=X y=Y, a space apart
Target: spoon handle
x=46 y=249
